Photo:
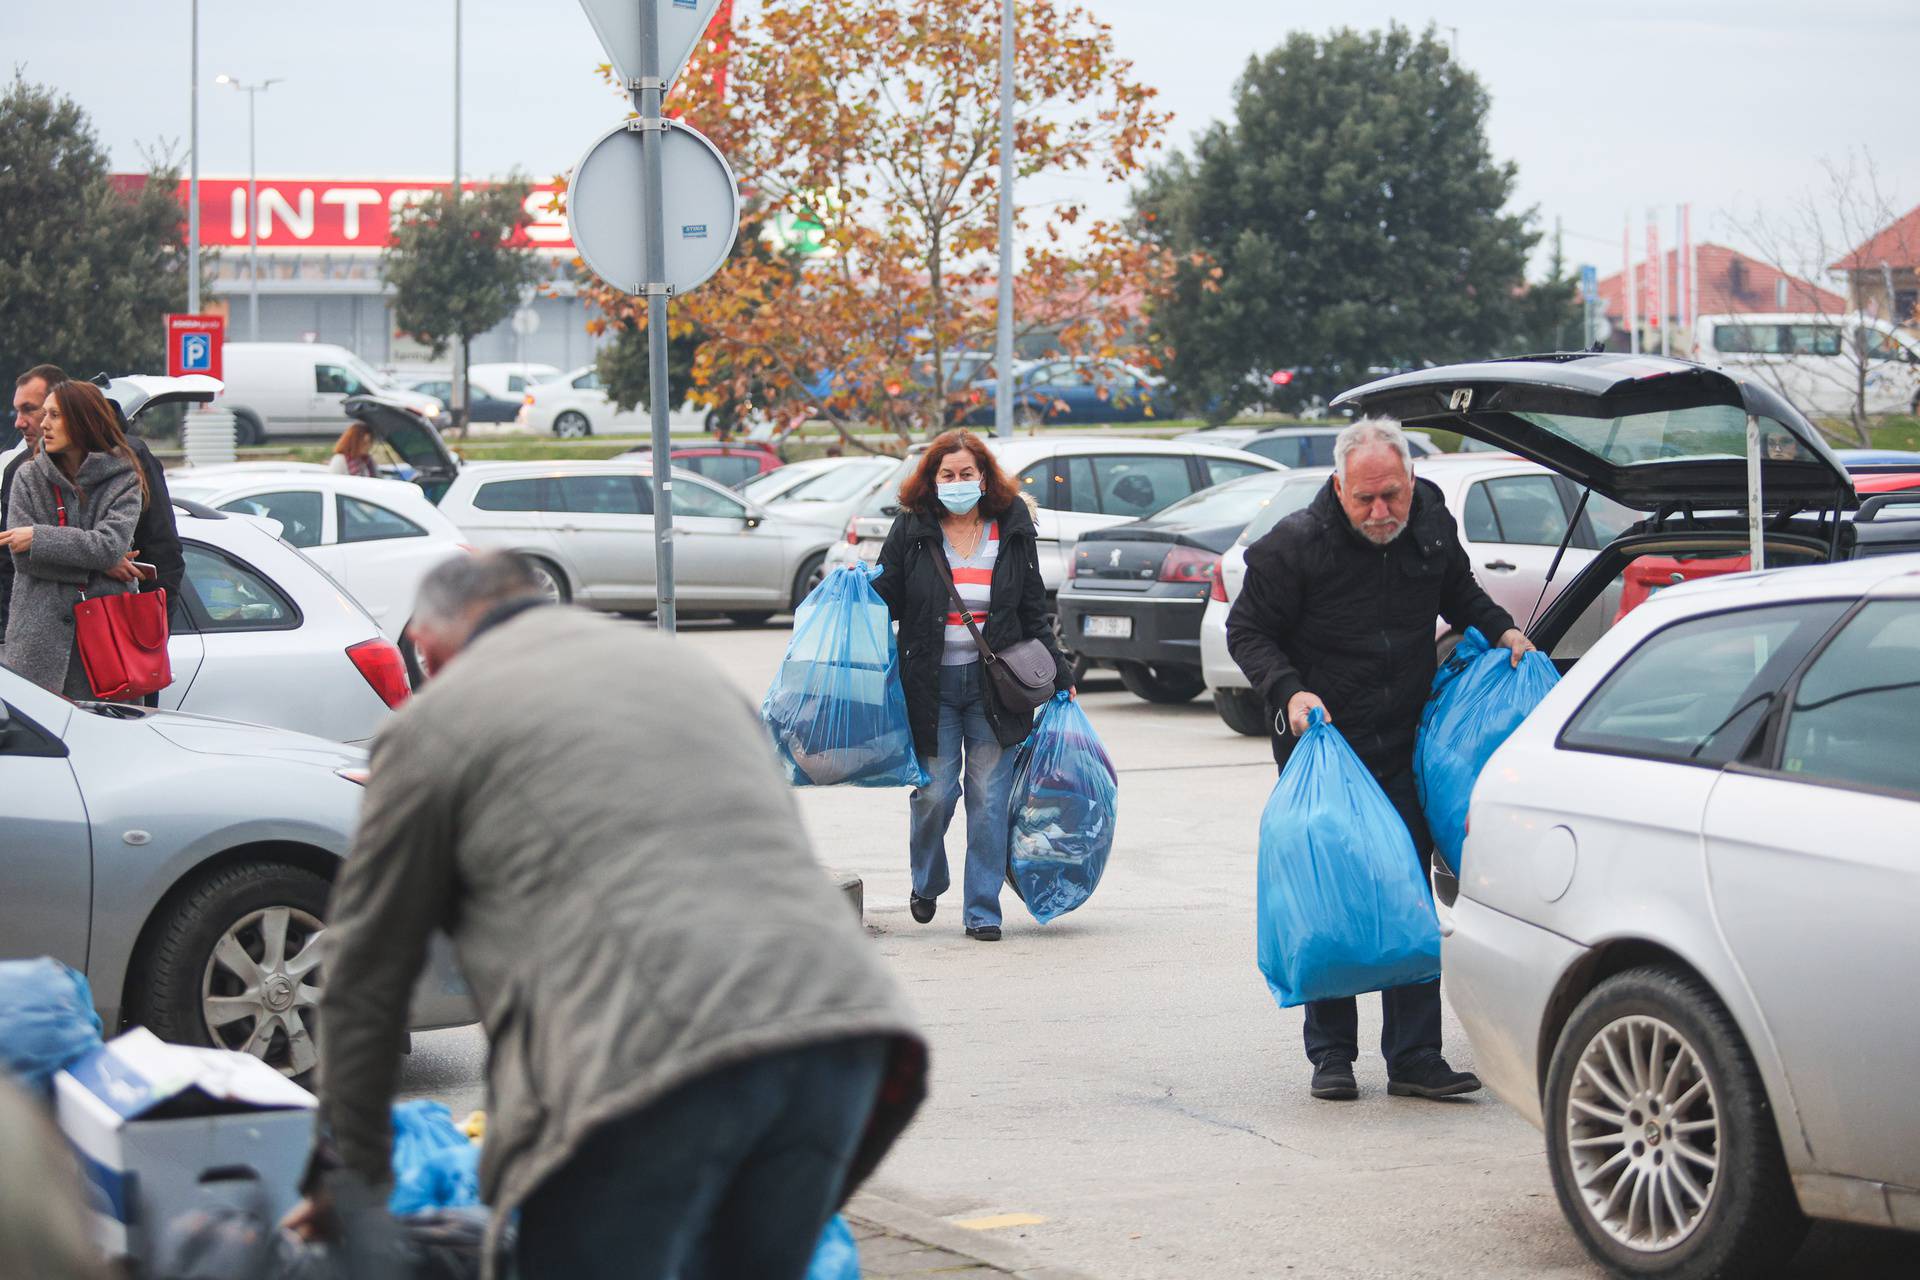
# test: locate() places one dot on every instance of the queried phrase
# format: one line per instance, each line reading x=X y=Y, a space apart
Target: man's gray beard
x=1399 y=527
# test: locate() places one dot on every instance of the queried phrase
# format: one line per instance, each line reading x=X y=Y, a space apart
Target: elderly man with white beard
x=1338 y=612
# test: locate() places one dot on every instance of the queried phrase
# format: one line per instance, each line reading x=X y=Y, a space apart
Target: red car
x=728 y=464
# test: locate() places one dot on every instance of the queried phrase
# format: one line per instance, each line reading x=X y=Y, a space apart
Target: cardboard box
x=157 y=1128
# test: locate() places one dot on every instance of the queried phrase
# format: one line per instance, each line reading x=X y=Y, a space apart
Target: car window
x=726 y=468
x=332 y=379
x=1296 y=493
x=1529 y=510
x=1477 y=521
x=299 y=512
x=1711 y=431
x=1746 y=339
x=510 y=495
x=516 y=383
x=699 y=500
x=1288 y=451
x=1695 y=692
x=616 y=495
x=886 y=499
x=362 y=521
x=1647 y=575
x=834 y=485
x=1814 y=339
x=1221 y=470
x=225 y=595
x=588 y=381
x=1227 y=504
x=1609 y=519
x=1133 y=486
x=1853 y=715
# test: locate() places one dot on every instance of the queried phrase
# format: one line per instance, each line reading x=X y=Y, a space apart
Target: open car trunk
x=413 y=440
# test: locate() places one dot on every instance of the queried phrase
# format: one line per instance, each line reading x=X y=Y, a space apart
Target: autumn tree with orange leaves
x=878 y=121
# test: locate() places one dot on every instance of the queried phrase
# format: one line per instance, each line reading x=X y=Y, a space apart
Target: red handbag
x=122 y=639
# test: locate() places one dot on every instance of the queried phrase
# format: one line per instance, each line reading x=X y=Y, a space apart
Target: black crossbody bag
x=1023 y=674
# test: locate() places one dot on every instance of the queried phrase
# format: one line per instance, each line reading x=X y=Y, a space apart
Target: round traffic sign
x=608 y=216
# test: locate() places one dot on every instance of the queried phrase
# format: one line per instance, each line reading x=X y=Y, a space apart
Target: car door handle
x=569 y=528
x=1501 y=566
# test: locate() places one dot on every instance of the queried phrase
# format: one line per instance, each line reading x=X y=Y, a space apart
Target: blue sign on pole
x=1589 y=283
x=196 y=352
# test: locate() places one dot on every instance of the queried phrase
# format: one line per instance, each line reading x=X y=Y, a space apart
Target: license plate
x=1107 y=628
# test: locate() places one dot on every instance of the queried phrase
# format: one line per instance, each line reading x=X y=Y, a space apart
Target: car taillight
x=1219 y=591
x=1189 y=564
x=380 y=662
x=853 y=533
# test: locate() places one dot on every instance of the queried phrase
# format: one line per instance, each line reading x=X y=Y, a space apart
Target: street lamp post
x=1003 y=336
x=193 y=173
x=253 y=201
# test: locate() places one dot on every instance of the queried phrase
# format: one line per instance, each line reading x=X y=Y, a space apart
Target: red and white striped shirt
x=973 y=579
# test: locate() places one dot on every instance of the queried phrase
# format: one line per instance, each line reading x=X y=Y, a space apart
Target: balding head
x=456 y=595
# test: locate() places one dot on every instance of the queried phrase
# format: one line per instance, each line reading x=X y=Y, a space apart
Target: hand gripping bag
x=1065 y=795
x=836 y=711
x=1343 y=903
x=46 y=1020
x=1479 y=698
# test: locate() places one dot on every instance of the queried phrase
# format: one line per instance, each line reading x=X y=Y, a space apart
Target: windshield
x=886 y=498
x=775 y=482
x=365 y=372
x=1296 y=491
x=1704 y=431
x=1235 y=502
x=836 y=484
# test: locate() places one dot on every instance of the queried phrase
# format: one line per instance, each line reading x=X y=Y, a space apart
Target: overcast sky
x=1606 y=108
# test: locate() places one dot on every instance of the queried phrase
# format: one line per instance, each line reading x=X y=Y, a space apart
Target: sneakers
x=984 y=932
x=1432 y=1078
x=1333 y=1081
x=922 y=908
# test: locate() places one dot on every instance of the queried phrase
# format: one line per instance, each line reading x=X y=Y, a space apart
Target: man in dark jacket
x=1337 y=612
x=29 y=402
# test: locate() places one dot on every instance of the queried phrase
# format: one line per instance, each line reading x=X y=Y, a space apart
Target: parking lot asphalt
x=1116 y=1094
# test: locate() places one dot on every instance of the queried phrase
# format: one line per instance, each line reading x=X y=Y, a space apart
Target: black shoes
x=1432 y=1078
x=1333 y=1081
x=984 y=932
x=922 y=908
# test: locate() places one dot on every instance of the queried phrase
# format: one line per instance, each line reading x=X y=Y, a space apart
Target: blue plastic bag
x=1479 y=698
x=435 y=1166
x=1343 y=902
x=836 y=710
x=1065 y=797
x=46 y=1020
x=836 y=1257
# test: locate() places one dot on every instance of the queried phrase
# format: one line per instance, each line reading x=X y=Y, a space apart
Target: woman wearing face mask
x=958 y=504
x=70 y=520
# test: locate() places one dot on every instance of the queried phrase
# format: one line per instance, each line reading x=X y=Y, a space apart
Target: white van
x=298 y=389
x=1815 y=361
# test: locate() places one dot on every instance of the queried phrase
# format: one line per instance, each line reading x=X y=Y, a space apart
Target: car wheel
x=236 y=964
x=1244 y=711
x=1443 y=647
x=810 y=576
x=1163 y=684
x=416 y=674
x=1662 y=1142
x=247 y=428
x=749 y=618
x=553 y=583
x=1078 y=664
x=572 y=426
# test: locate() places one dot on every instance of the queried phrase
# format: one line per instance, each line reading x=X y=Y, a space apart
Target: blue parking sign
x=196 y=352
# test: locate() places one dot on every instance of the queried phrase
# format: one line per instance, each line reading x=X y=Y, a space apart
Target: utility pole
x=647 y=100
x=193 y=169
x=253 y=91
x=459 y=381
x=1003 y=338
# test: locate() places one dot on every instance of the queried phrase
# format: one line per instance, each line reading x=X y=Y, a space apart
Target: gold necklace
x=979 y=528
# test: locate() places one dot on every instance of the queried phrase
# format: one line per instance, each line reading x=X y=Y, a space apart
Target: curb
x=897 y=1219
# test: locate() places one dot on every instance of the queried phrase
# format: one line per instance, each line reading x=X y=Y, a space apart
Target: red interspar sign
x=337 y=214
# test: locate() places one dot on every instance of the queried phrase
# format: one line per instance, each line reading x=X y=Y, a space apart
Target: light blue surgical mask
x=961 y=496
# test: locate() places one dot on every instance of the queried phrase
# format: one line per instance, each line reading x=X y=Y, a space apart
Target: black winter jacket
x=157 y=537
x=1324 y=610
x=917 y=598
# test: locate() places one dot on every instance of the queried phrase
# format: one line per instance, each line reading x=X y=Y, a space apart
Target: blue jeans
x=732 y=1174
x=989 y=782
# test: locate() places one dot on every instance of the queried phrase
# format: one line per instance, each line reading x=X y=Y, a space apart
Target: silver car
x=183 y=864
x=588 y=528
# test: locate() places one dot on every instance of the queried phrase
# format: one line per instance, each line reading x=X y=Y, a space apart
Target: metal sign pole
x=1756 y=543
x=649 y=91
x=1003 y=389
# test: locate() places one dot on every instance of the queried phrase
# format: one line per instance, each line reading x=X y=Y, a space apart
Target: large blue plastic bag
x=435 y=1166
x=836 y=710
x=1479 y=698
x=836 y=1257
x=1065 y=794
x=46 y=1020
x=1343 y=902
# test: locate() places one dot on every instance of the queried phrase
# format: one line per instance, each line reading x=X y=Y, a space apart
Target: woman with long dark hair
x=70 y=520
x=958 y=504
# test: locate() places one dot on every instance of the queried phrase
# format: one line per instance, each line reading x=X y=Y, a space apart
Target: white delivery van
x=1816 y=361
x=299 y=388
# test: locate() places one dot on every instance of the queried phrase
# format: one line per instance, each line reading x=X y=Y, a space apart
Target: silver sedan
x=183 y=864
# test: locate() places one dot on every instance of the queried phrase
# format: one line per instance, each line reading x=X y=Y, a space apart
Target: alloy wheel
x=1643 y=1133
x=260 y=992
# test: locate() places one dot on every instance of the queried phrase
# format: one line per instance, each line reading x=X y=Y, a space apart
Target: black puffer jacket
x=917 y=598
x=1324 y=610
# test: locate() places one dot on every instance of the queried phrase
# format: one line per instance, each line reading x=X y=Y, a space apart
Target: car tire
x=553 y=582
x=750 y=618
x=1708 y=1107
x=247 y=428
x=572 y=425
x=1443 y=647
x=1165 y=684
x=810 y=576
x=1243 y=711
x=188 y=986
x=1078 y=664
x=416 y=674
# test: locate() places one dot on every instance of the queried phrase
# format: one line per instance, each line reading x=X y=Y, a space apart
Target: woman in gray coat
x=70 y=519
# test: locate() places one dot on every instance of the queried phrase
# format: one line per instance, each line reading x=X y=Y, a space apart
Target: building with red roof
x=1730 y=281
x=1883 y=274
